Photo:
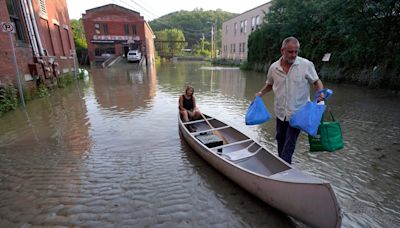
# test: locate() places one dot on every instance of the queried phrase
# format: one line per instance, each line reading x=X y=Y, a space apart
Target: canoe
x=250 y=165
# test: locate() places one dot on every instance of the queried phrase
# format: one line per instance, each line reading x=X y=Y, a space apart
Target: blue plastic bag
x=257 y=113
x=308 y=117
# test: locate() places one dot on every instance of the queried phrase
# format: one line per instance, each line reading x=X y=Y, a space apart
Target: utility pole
x=212 y=40
x=215 y=40
x=202 y=42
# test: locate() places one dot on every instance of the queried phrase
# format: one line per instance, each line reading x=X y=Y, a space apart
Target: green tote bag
x=329 y=136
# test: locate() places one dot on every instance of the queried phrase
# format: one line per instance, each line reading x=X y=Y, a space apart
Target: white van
x=134 y=55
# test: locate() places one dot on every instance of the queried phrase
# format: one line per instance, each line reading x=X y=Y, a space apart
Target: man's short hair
x=290 y=39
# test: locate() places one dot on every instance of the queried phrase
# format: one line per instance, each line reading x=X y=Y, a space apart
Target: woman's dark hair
x=189 y=87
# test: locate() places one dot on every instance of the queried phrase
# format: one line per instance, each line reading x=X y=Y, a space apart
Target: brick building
x=112 y=30
x=43 y=41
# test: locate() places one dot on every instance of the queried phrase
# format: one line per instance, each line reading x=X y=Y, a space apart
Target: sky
x=152 y=9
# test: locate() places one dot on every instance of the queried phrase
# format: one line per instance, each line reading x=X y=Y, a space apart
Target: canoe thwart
x=208 y=130
x=197 y=121
x=232 y=144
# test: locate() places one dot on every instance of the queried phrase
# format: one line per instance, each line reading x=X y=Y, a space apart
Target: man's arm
x=264 y=90
x=318 y=86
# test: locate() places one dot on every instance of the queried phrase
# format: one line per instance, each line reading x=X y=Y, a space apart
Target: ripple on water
x=109 y=154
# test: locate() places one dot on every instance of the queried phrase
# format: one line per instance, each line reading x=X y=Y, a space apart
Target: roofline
x=93 y=9
x=147 y=24
x=268 y=3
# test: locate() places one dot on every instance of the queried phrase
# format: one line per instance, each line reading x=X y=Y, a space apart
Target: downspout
x=34 y=22
x=30 y=29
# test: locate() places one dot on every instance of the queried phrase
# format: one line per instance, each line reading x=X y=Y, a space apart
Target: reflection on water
x=107 y=152
x=124 y=89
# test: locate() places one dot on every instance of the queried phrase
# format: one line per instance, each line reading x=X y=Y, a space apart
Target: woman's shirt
x=187 y=103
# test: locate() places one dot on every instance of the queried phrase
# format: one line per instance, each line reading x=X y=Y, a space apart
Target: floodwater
x=107 y=152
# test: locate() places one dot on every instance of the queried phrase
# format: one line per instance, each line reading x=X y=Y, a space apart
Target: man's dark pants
x=286 y=137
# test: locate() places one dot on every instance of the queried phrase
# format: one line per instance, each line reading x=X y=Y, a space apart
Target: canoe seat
x=239 y=154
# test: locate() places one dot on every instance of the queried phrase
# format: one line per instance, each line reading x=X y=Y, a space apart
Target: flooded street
x=107 y=152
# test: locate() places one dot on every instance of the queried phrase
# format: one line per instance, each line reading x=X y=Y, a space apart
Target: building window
x=226 y=29
x=60 y=42
x=105 y=29
x=258 y=23
x=68 y=38
x=97 y=29
x=253 y=23
x=15 y=17
x=42 y=7
x=241 y=27
x=126 y=29
x=134 y=29
x=234 y=48
x=235 y=29
x=46 y=35
x=245 y=26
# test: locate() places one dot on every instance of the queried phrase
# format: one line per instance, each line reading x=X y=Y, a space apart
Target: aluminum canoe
x=262 y=173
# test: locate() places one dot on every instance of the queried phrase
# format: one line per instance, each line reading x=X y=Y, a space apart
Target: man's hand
x=320 y=97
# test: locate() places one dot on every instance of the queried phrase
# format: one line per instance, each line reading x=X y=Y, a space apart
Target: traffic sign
x=8 y=27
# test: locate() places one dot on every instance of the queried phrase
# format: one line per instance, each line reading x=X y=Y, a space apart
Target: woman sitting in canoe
x=187 y=105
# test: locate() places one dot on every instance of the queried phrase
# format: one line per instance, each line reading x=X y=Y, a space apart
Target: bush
x=8 y=98
x=65 y=80
x=42 y=91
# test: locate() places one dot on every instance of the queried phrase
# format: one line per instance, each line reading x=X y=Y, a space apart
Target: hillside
x=195 y=24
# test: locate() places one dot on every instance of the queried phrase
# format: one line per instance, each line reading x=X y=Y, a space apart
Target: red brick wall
x=115 y=17
x=56 y=32
x=23 y=52
x=150 y=48
x=56 y=13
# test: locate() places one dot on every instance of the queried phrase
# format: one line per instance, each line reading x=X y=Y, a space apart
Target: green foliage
x=79 y=36
x=42 y=91
x=359 y=34
x=8 y=98
x=170 y=48
x=81 y=74
x=202 y=48
x=65 y=80
x=195 y=24
x=245 y=66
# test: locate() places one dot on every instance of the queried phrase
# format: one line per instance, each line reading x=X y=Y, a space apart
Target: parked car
x=134 y=55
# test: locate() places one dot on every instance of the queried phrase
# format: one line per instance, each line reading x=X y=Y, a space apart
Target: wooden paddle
x=217 y=133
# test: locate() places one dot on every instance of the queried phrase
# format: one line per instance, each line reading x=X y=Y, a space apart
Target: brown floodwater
x=106 y=151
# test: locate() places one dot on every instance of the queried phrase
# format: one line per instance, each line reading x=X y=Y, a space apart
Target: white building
x=236 y=32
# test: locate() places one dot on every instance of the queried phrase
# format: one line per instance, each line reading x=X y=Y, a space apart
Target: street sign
x=8 y=27
x=326 y=57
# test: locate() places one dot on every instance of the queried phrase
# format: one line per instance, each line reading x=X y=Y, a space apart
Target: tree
x=194 y=24
x=170 y=42
x=360 y=34
x=78 y=33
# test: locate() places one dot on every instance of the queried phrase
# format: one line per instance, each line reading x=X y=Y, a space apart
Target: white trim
x=55 y=21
